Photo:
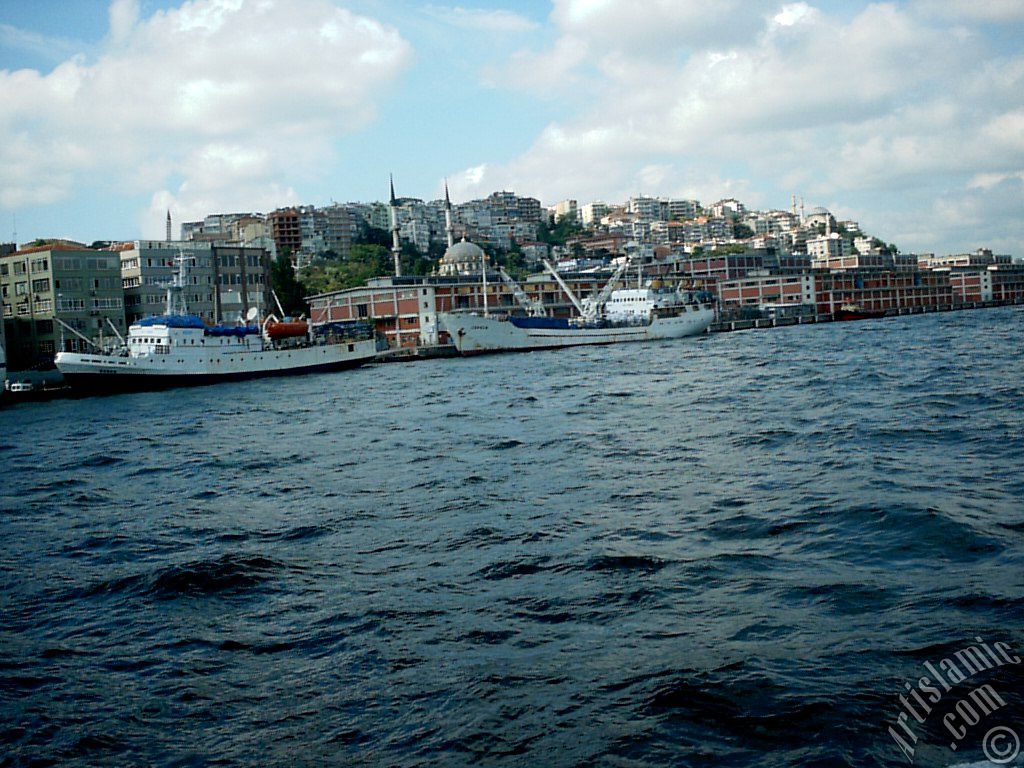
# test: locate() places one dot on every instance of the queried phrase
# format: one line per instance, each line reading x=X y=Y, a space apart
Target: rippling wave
x=725 y=551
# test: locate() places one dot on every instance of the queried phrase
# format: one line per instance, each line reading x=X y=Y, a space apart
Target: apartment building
x=286 y=230
x=223 y=282
x=827 y=247
x=79 y=286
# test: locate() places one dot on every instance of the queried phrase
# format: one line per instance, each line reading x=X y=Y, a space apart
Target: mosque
x=459 y=259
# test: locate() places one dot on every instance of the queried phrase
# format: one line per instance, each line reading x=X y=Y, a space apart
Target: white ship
x=648 y=312
x=178 y=349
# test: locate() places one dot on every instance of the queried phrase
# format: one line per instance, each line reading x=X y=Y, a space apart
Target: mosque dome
x=461 y=258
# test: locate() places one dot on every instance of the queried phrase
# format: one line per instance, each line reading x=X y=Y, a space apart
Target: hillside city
x=340 y=262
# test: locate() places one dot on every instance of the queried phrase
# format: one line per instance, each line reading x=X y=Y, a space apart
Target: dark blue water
x=730 y=551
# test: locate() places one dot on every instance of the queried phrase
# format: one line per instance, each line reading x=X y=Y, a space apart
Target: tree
x=564 y=228
x=368 y=235
x=436 y=250
x=742 y=231
x=290 y=292
x=413 y=261
x=513 y=260
x=364 y=261
x=728 y=249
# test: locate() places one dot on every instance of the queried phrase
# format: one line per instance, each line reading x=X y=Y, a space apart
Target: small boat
x=852 y=311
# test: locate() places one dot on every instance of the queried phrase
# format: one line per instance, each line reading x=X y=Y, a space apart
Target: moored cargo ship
x=648 y=312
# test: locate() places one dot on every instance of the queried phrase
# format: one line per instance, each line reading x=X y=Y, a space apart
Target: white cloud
x=493 y=21
x=792 y=14
x=654 y=27
x=870 y=106
x=546 y=73
x=990 y=180
x=124 y=15
x=975 y=10
x=223 y=94
x=47 y=47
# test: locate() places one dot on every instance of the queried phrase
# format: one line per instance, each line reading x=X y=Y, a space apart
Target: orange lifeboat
x=286 y=330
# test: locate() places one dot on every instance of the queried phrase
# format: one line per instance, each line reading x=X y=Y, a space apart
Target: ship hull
x=857 y=314
x=473 y=335
x=102 y=374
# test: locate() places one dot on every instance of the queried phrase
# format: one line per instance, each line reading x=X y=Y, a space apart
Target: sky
x=907 y=117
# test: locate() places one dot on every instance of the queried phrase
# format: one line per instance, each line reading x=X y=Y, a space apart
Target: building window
x=20 y=289
x=40 y=265
x=19 y=267
x=41 y=286
x=70 y=305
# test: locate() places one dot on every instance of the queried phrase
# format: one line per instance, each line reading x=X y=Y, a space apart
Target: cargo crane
x=595 y=305
x=590 y=308
x=533 y=308
x=565 y=288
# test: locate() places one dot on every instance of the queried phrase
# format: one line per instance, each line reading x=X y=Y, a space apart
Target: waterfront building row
x=404 y=310
x=873 y=289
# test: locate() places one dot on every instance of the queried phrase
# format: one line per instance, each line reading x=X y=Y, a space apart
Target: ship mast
x=176 y=289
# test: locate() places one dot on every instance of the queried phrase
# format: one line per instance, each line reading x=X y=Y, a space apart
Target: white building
x=679 y=210
x=591 y=213
x=828 y=247
x=566 y=209
x=648 y=208
x=728 y=207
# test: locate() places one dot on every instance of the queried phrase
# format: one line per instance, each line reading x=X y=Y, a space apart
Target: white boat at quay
x=649 y=312
x=178 y=349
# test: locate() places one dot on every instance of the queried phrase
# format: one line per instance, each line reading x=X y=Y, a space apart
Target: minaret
x=396 y=248
x=802 y=217
x=168 y=238
x=448 y=216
